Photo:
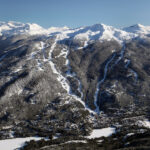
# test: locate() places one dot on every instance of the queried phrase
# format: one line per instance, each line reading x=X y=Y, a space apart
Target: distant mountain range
x=88 y=33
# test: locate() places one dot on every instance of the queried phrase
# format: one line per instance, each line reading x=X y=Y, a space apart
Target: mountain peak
x=138 y=29
x=138 y=25
x=98 y=31
x=14 y=28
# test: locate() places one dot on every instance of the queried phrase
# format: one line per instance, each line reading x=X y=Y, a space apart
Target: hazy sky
x=74 y=13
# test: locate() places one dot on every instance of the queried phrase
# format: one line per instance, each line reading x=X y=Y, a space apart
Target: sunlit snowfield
x=16 y=143
x=12 y=144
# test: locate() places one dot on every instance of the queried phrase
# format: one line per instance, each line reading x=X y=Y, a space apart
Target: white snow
x=135 y=74
x=127 y=61
x=63 y=53
x=87 y=34
x=14 y=28
x=7 y=127
x=20 y=91
x=138 y=29
x=97 y=133
x=57 y=29
x=76 y=141
x=99 y=84
x=13 y=144
x=42 y=47
x=32 y=55
x=39 y=47
x=144 y=123
x=128 y=135
x=39 y=65
x=102 y=32
x=18 y=69
x=121 y=54
x=34 y=29
x=60 y=78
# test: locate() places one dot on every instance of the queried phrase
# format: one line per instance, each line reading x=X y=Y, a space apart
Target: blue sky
x=75 y=13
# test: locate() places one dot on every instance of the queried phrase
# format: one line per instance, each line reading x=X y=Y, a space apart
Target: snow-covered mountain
x=102 y=32
x=138 y=29
x=16 y=28
x=62 y=83
x=87 y=33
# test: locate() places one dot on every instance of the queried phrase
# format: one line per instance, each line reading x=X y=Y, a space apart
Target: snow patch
x=128 y=135
x=97 y=133
x=76 y=141
x=13 y=144
x=144 y=123
x=127 y=62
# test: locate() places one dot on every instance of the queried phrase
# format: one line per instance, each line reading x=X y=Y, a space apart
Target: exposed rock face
x=61 y=82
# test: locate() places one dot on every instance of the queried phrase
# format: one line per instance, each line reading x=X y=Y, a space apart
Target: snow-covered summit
x=14 y=28
x=87 y=33
x=103 y=32
x=138 y=29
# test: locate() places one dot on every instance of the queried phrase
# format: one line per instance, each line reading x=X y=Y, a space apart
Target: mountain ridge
x=66 y=82
x=87 y=33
